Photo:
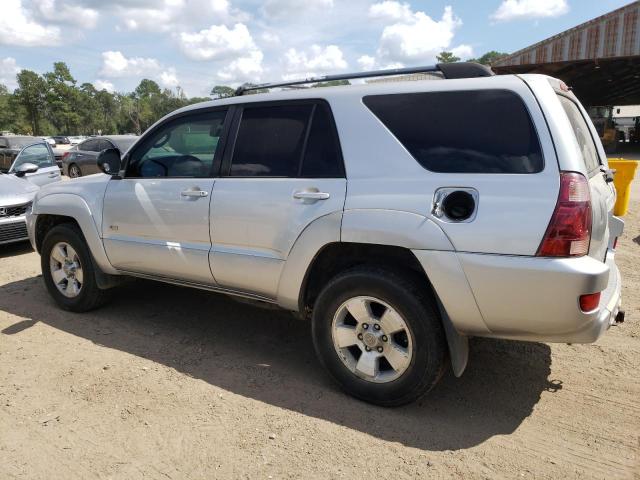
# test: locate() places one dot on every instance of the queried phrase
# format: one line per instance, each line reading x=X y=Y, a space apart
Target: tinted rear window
x=482 y=131
x=582 y=134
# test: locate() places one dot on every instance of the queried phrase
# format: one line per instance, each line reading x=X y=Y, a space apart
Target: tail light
x=569 y=231
x=65 y=155
x=589 y=302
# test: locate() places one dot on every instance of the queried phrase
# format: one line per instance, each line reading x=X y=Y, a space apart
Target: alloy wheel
x=372 y=339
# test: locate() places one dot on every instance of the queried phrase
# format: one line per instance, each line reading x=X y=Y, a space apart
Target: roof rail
x=448 y=70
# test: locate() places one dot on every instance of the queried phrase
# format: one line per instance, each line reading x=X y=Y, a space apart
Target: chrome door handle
x=194 y=193
x=310 y=195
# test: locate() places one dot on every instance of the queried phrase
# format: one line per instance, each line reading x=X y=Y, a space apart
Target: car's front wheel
x=379 y=335
x=68 y=270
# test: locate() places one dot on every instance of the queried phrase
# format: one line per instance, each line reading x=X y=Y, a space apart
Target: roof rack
x=448 y=71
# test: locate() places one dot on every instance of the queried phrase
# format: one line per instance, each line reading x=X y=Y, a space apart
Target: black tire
x=74 y=168
x=90 y=296
x=419 y=311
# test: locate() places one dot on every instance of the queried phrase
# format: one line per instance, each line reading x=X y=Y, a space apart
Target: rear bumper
x=533 y=299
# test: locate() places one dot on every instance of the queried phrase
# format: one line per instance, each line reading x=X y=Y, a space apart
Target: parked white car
x=31 y=167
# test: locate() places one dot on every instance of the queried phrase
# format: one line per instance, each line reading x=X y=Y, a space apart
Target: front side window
x=37 y=154
x=582 y=134
x=185 y=147
x=480 y=131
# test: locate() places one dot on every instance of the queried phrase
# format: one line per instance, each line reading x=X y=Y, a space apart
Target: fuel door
x=455 y=204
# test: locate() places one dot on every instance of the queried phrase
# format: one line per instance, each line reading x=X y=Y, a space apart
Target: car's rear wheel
x=68 y=270
x=379 y=335
x=74 y=171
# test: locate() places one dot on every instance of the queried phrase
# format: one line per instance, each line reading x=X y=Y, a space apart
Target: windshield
x=123 y=144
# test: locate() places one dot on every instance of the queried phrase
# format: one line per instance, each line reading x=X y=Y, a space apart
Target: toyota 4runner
x=399 y=217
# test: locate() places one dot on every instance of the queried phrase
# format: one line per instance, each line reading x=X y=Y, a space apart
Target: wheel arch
x=58 y=208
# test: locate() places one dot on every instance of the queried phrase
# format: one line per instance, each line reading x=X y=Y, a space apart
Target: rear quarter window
x=481 y=131
x=582 y=134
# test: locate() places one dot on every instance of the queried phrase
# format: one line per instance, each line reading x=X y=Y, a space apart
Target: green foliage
x=53 y=103
x=489 y=57
x=222 y=91
x=447 y=57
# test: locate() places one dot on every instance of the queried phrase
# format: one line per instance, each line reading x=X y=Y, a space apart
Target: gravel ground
x=168 y=382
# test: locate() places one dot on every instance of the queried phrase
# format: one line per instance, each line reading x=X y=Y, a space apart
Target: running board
x=199 y=286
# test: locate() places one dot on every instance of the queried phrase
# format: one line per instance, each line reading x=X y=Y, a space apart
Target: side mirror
x=109 y=161
x=25 y=168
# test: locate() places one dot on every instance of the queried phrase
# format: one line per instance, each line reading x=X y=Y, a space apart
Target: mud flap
x=458 y=344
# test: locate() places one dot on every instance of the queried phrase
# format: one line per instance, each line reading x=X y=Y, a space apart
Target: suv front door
x=156 y=218
x=283 y=171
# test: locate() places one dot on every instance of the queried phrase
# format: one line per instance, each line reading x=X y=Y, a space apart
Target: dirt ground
x=168 y=382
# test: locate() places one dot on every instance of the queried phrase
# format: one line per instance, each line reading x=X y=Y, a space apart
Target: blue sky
x=196 y=44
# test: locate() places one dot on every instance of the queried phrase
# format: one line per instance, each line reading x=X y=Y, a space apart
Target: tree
x=222 y=91
x=32 y=95
x=447 y=57
x=63 y=99
x=147 y=88
x=489 y=57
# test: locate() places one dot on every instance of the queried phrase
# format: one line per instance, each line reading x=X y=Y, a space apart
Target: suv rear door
x=283 y=171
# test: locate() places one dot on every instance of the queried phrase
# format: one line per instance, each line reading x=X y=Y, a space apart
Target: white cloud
x=172 y=15
x=59 y=11
x=217 y=42
x=116 y=65
x=390 y=10
x=247 y=68
x=270 y=38
x=8 y=71
x=525 y=9
x=414 y=37
x=366 y=62
x=104 y=85
x=168 y=78
x=463 y=51
x=285 y=9
x=316 y=60
x=17 y=28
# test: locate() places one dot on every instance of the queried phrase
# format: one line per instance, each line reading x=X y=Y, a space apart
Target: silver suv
x=400 y=218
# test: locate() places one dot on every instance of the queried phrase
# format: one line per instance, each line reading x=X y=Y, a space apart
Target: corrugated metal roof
x=613 y=35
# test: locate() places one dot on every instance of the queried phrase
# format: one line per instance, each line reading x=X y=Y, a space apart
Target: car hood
x=14 y=190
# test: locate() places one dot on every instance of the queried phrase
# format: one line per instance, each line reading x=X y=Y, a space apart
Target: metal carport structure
x=599 y=59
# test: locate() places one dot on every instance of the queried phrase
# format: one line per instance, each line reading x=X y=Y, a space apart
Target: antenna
x=448 y=71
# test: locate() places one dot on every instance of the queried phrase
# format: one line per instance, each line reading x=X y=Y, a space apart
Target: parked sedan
x=81 y=159
x=17 y=151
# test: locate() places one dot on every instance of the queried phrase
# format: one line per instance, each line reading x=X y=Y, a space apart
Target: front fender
x=74 y=206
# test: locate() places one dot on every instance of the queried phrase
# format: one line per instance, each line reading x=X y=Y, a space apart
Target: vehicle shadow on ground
x=268 y=355
x=15 y=249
